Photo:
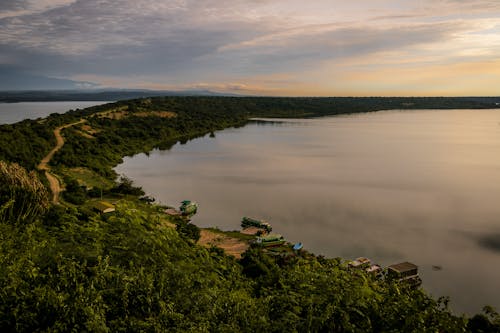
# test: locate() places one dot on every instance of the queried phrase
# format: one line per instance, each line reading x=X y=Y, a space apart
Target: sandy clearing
x=231 y=246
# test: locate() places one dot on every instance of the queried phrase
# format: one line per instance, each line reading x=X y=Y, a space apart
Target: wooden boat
x=247 y=222
x=271 y=240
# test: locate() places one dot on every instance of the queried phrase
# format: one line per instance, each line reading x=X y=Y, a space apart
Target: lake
x=420 y=186
x=13 y=112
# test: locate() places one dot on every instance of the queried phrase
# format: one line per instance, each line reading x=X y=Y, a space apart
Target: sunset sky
x=288 y=47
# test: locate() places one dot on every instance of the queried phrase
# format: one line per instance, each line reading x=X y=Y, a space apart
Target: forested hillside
x=70 y=267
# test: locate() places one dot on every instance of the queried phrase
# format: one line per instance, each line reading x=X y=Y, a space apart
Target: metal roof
x=403 y=267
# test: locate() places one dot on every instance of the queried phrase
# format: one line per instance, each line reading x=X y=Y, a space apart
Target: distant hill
x=12 y=96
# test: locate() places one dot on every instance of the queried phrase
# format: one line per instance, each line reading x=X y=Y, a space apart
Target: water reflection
x=490 y=242
x=421 y=186
x=13 y=112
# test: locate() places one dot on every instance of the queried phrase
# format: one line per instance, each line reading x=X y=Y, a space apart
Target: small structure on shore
x=103 y=207
x=405 y=272
x=360 y=263
x=366 y=265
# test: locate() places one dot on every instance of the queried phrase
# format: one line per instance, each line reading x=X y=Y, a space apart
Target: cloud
x=184 y=42
x=13 y=79
x=331 y=42
x=16 y=8
x=13 y=5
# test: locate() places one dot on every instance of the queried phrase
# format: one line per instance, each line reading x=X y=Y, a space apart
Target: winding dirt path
x=55 y=186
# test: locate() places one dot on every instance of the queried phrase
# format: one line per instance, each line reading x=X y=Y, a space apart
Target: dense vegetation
x=75 y=270
x=69 y=268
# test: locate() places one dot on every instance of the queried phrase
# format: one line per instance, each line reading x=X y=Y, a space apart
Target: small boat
x=298 y=246
x=188 y=208
x=247 y=222
x=271 y=240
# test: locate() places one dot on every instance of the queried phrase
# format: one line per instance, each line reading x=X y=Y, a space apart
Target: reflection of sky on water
x=13 y=112
x=421 y=186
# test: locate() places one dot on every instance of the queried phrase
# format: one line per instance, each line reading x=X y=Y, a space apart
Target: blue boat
x=298 y=246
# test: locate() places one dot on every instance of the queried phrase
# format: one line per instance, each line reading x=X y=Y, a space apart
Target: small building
x=360 y=263
x=374 y=269
x=366 y=264
x=103 y=207
x=405 y=272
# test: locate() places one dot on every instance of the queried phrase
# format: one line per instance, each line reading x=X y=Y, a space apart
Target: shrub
x=23 y=197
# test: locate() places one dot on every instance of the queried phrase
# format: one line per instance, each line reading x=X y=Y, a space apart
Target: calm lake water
x=420 y=186
x=13 y=112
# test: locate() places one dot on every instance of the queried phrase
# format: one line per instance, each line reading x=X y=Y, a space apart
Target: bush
x=74 y=193
x=22 y=195
x=188 y=230
x=126 y=186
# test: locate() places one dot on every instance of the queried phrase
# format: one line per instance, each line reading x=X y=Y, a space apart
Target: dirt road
x=55 y=186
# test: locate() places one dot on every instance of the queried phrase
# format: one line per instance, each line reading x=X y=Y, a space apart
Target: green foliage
x=126 y=186
x=73 y=270
x=22 y=196
x=95 y=192
x=488 y=321
x=25 y=143
x=74 y=193
x=127 y=271
x=187 y=230
x=123 y=273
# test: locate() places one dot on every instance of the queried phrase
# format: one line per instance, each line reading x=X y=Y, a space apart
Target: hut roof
x=403 y=267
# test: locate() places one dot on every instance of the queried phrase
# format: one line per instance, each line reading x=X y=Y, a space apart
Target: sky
x=258 y=47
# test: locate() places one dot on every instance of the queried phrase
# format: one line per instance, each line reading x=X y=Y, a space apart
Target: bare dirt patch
x=116 y=115
x=161 y=114
x=85 y=135
x=86 y=131
x=231 y=246
x=89 y=129
x=120 y=113
x=253 y=231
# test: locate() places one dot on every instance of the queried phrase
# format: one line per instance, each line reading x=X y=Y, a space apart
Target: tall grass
x=23 y=197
